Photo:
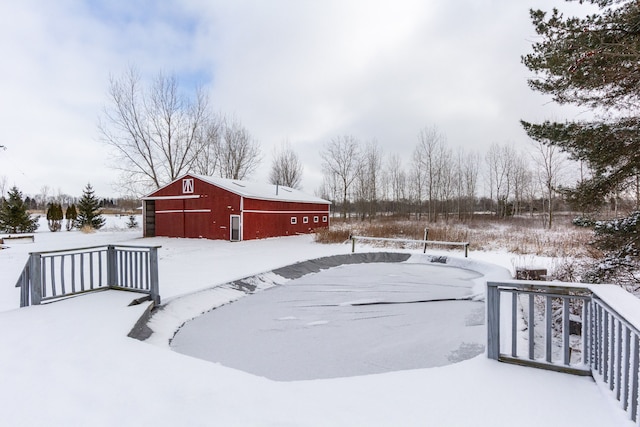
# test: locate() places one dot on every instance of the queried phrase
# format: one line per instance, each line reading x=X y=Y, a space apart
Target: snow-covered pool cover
x=349 y=320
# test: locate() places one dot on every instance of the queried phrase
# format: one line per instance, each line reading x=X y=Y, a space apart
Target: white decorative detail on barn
x=187 y=185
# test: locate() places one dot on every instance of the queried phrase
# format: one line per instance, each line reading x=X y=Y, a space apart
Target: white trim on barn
x=191 y=196
x=278 y=212
x=185 y=211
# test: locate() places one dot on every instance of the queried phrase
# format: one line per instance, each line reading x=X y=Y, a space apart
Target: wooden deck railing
x=568 y=328
x=57 y=274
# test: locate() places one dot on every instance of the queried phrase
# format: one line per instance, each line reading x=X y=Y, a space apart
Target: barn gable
x=216 y=208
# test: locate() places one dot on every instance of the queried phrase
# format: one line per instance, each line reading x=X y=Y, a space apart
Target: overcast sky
x=302 y=70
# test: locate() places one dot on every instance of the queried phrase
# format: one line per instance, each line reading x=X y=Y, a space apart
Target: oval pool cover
x=345 y=321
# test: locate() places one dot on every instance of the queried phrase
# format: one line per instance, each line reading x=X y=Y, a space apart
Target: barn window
x=315 y=219
x=324 y=218
x=187 y=185
x=294 y=220
x=305 y=219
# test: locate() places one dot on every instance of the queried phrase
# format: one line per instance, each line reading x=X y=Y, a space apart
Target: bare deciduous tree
x=519 y=178
x=368 y=179
x=156 y=133
x=417 y=182
x=207 y=162
x=286 y=168
x=3 y=185
x=341 y=158
x=500 y=159
x=550 y=162
x=238 y=153
x=427 y=154
x=397 y=179
x=43 y=198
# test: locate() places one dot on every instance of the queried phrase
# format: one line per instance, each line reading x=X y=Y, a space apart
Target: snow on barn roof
x=262 y=191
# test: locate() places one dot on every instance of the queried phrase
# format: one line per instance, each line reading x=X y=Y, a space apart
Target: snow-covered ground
x=71 y=362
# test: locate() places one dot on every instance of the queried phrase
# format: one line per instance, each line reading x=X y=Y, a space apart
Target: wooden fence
x=568 y=328
x=465 y=245
x=58 y=274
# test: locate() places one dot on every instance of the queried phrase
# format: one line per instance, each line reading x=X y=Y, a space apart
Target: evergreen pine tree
x=132 y=223
x=71 y=215
x=54 y=217
x=89 y=213
x=14 y=217
x=594 y=62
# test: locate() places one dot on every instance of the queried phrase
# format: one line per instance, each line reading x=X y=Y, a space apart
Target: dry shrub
x=518 y=235
x=87 y=229
x=331 y=235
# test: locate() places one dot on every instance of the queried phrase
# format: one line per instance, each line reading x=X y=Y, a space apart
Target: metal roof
x=256 y=190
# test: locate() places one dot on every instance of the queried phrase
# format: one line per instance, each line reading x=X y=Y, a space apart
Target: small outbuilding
x=226 y=209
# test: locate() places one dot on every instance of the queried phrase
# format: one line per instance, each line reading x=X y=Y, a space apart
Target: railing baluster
x=548 y=328
x=565 y=331
x=130 y=269
x=147 y=266
x=605 y=347
x=73 y=273
x=82 y=271
x=634 y=378
x=125 y=269
x=612 y=349
x=100 y=281
x=531 y=326
x=92 y=284
x=626 y=368
x=599 y=339
x=514 y=324
x=44 y=277
x=121 y=268
x=618 y=358
x=52 y=266
x=139 y=255
x=64 y=291
x=586 y=333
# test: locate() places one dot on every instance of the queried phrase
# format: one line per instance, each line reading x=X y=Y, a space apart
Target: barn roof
x=261 y=191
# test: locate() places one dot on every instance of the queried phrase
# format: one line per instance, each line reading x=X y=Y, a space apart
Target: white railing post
x=493 y=321
x=153 y=275
x=35 y=271
x=112 y=266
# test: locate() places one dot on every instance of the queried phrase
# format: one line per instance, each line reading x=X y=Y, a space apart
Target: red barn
x=216 y=208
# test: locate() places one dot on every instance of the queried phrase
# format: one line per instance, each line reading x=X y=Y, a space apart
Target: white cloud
x=301 y=70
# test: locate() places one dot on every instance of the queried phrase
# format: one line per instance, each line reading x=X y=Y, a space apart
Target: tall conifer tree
x=594 y=62
x=14 y=217
x=89 y=213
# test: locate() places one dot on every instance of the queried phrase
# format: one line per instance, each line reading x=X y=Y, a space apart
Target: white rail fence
x=63 y=273
x=580 y=329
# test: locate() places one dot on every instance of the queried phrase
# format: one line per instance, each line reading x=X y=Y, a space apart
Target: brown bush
x=517 y=235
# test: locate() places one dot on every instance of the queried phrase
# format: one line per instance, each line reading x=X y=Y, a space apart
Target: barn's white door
x=235 y=228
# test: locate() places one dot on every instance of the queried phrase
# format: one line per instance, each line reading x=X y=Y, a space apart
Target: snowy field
x=71 y=362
